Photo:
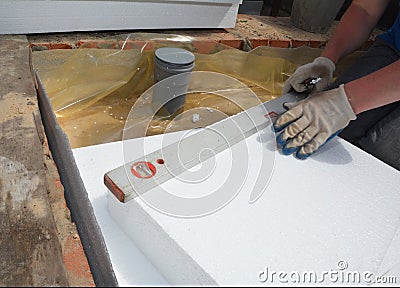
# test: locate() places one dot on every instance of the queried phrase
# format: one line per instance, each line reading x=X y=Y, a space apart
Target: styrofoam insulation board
x=392 y=258
x=25 y=17
x=341 y=204
x=130 y=266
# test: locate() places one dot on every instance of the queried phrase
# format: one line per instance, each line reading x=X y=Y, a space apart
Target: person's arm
x=310 y=123
x=354 y=28
x=376 y=89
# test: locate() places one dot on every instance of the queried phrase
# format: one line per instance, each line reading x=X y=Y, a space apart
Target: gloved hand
x=312 y=122
x=321 y=67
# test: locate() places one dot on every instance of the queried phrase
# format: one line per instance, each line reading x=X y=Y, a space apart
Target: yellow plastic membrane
x=93 y=90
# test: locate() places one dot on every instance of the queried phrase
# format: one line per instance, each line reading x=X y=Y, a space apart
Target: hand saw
x=141 y=175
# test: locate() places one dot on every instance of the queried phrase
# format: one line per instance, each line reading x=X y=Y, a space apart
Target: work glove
x=310 y=123
x=321 y=67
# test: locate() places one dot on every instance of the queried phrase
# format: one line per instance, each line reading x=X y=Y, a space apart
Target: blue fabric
x=392 y=36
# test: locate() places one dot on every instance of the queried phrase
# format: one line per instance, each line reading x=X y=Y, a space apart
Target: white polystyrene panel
x=341 y=204
x=131 y=267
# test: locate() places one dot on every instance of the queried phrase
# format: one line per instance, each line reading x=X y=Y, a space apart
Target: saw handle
x=309 y=83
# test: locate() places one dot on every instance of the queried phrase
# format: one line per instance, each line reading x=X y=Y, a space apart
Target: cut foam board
x=339 y=205
x=130 y=266
x=23 y=17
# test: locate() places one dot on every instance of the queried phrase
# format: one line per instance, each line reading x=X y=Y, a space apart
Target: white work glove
x=312 y=122
x=321 y=67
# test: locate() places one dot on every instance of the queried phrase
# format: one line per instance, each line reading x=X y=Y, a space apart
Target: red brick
x=317 y=44
x=101 y=44
x=74 y=259
x=207 y=47
x=131 y=44
x=127 y=45
x=259 y=42
x=298 y=43
x=60 y=46
x=86 y=44
x=107 y=44
x=145 y=45
x=279 y=43
x=40 y=46
x=234 y=43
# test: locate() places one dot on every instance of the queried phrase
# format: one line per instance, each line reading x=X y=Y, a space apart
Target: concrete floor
x=39 y=243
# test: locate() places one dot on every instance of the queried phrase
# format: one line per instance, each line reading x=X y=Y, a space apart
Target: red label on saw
x=272 y=115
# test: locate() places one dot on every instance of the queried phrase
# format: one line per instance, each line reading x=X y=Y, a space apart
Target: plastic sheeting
x=92 y=90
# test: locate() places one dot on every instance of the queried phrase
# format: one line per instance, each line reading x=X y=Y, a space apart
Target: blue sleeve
x=392 y=36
